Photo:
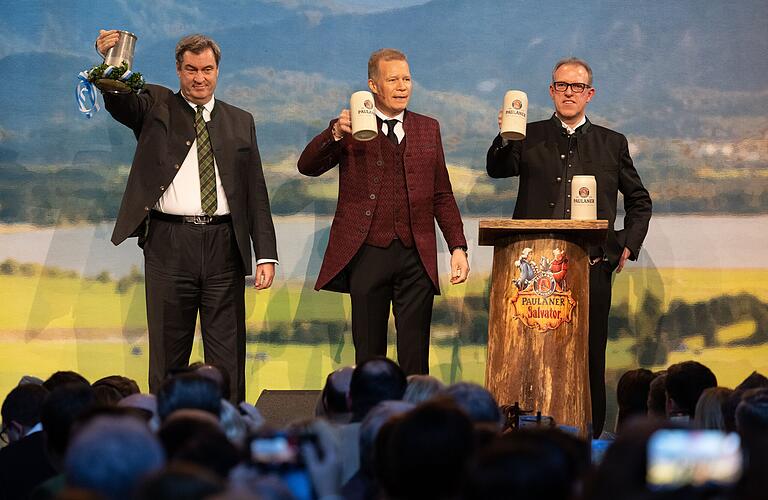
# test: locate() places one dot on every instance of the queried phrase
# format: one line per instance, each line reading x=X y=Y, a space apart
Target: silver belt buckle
x=201 y=219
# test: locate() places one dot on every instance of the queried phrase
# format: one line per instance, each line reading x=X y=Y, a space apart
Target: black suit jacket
x=163 y=123
x=23 y=466
x=602 y=153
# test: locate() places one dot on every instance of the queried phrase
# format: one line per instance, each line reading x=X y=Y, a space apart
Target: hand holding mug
x=342 y=126
x=106 y=40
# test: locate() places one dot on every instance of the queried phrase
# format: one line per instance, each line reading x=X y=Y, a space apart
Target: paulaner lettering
x=543 y=301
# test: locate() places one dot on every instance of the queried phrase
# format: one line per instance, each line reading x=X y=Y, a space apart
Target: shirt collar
x=208 y=105
x=399 y=117
x=35 y=428
x=572 y=130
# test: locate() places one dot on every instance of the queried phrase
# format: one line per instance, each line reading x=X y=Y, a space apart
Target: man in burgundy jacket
x=382 y=248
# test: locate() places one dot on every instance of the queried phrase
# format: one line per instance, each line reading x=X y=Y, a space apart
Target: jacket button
x=559 y=179
x=162 y=188
x=372 y=196
x=379 y=163
x=551 y=205
x=368 y=213
x=189 y=143
x=562 y=157
x=376 y=179
x=176 y=166
x=146 y=209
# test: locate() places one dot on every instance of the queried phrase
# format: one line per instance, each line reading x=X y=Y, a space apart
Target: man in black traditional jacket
x=555 y=150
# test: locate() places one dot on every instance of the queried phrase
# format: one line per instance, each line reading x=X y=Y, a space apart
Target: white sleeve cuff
x=266 y=261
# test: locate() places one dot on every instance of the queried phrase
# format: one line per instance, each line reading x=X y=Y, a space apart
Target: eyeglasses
x=577 y=88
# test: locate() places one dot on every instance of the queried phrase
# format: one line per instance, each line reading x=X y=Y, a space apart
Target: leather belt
x=200 y=220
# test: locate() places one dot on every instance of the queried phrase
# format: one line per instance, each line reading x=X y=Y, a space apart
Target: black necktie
x=391 y=130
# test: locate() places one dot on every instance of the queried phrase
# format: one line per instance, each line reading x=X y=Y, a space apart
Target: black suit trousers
x=384 y=277
x=195 y=269
x=600 y=284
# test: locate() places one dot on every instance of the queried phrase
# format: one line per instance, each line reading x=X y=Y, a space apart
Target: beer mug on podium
x=583 y=197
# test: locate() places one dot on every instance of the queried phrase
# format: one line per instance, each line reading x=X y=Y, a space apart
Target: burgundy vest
x=391 y=219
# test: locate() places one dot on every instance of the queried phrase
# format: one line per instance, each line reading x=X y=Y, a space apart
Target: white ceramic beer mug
x=514 y=115
x=363 y=116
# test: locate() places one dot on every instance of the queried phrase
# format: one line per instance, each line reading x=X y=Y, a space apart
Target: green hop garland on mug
x=135 y=81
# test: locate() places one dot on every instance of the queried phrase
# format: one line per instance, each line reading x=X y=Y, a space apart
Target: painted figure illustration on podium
x=554 y=151
x=197 y=201
x=382 y=248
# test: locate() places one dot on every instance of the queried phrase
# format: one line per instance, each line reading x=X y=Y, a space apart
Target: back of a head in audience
x=61 y=408
x=422 y=454
x=183 y=425
x=196 y=437
x=63 y=378
x=218 y=375
x=709 y=408
x=657 y=395
x=370 y=427
x=188 y=391
x=373 y=381
x=333 y=404
x=109 y=390
x=21 y=410
x=421 y=388
x=632 y=395
x=180 y=481
x=752 y=413
x=146 y=403
x=752 y=424
x=537 y=463
x=685 y=383
x=622 y=470
x=476 y=401
x=753 y=381
x=110 y=455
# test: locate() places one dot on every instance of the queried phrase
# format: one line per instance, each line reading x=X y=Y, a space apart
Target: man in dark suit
x=546 y=160
x=24 y=463
x=382 y=248
x=196 y=198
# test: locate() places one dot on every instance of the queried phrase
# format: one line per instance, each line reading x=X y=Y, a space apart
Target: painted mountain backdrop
x=685 y=80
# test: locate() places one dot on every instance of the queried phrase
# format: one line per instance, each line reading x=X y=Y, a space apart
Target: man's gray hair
x=574 y=60
x=196 y=44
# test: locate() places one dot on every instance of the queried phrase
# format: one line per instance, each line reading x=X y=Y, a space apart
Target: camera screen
x=677 y=458
x=274 y=450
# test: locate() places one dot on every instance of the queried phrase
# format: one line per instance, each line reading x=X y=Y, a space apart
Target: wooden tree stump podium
x=538 y=327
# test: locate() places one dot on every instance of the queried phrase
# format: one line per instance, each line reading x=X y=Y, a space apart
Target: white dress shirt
x=182 y=197
x=399 y=130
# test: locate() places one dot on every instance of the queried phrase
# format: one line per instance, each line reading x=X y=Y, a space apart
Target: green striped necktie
x=205 y=165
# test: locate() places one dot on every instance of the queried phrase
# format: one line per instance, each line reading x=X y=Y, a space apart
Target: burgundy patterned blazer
x=430 y=196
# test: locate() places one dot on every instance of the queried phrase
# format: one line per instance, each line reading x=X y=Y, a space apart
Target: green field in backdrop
x=51 y=323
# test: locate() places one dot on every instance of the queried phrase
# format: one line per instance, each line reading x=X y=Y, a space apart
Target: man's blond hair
x=383 y=55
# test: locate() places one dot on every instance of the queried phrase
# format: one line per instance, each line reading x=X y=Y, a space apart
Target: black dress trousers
x=600 y=285
x=378 y=278
x=195 y=269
